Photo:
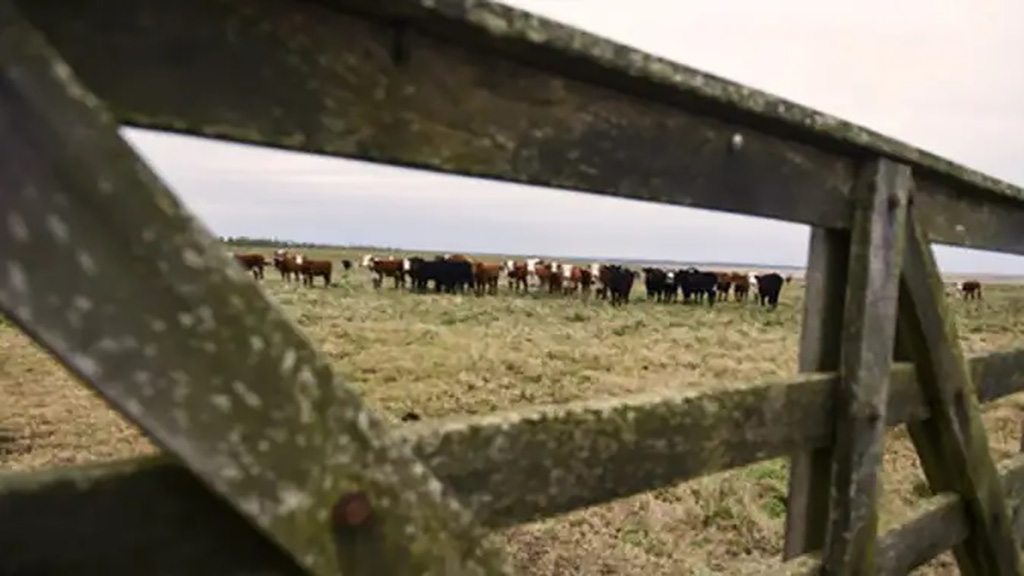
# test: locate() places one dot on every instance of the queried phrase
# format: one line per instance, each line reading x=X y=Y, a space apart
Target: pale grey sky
x=942 y=76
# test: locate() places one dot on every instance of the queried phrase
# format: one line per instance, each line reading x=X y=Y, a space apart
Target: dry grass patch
x=443 y=355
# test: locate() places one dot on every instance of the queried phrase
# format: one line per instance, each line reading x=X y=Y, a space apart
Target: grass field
x=444 y=355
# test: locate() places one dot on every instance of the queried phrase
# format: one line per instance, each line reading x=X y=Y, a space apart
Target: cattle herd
x=458 y=273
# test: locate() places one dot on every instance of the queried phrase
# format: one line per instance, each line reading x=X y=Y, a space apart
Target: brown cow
x=518 y=274
x=571 y=278
x=396 y=268
x=725 y=280
x=252 y=262
x=310 y=269
x=287 y=264
x=457 y=258
x=740 y=286
x=551 y=274
x=546 y=273
x=971 y=289
x=485 y=276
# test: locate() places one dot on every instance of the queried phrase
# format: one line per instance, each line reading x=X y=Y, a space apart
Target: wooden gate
x=273 y=464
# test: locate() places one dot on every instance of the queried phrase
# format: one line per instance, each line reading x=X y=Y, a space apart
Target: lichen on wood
x=141 y=516
x=141 y=302
x=525 y=464
x=509 y=23
x=952 y=444
x=820 y=344
x=312 y=78
x=521 y=95
x=869 y=326
x=502 y=485
x=934 y=526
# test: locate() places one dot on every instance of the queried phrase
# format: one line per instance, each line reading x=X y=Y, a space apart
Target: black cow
x=346 y=264
x=448 y=275
x=671 y=289
x=620 y=282
x=657 y=283
x=768 y=288
x=697 y=285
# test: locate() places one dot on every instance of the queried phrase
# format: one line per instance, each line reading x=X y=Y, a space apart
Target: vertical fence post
x=869 y=331
x=820 y=339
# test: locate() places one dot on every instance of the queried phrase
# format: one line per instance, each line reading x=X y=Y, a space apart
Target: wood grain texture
x=203 y=362
x=478 y=88
x=141 y=516
x=820 y=351
x=936 y=525
x=510 y=467
x=952 y=444
x=869 y=327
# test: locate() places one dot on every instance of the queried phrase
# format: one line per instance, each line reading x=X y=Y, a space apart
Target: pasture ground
x=442 y=355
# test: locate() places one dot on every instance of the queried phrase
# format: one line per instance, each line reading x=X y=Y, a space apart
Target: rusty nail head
x=352 y=509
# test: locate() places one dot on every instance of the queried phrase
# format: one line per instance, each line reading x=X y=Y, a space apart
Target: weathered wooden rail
x=270 y=459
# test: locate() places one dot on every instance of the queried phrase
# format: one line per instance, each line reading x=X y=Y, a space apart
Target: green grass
x=442 y=354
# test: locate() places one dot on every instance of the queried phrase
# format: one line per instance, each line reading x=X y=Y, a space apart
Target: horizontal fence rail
x=551 y=106
x=510 y=468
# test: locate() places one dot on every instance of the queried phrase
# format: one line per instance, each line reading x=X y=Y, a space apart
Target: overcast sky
x=940 y=75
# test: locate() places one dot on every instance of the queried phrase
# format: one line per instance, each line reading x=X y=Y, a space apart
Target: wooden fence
x=273 y=464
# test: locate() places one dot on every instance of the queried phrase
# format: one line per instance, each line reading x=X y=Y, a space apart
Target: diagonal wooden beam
x=103 y=266
x=869 y=326
x=952 y=444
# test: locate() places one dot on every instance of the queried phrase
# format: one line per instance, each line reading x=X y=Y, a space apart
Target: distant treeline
x=272 y=243
x=257 y=242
